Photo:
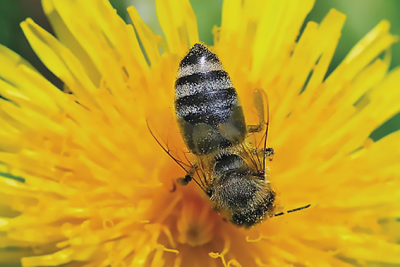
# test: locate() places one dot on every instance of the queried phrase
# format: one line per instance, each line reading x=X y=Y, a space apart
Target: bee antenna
x=180 y=163
x=165 y=150
x=293 y=210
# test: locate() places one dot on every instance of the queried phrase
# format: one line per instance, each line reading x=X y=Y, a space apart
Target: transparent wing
x=256 y=149
x=195 y=171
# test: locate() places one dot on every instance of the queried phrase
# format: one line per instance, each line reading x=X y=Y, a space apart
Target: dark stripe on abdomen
x=197 y=78
x=210 y=107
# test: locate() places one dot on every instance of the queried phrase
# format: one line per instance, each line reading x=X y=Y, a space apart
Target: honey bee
x=229 y=168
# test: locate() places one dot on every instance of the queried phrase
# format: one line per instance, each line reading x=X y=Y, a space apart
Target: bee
x=213 y=126
x=229 y=168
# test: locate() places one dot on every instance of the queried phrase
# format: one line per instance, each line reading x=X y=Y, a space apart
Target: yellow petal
x=178 y=23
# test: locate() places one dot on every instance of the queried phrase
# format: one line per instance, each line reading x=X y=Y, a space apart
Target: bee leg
x=259 y=101
x=188 y=177
x=268 y=153
x=185 y=180
x=254 y=128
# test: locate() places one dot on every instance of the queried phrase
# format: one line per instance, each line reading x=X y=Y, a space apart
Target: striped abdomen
x=206 y=104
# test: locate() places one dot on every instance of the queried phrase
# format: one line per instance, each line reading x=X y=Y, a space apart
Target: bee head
x=246 y=198
x=254 y=213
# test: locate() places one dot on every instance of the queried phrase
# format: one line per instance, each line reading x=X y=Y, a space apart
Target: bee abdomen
x=206 y=103
x=199 y=59
x=212 y=108
x=202 y=82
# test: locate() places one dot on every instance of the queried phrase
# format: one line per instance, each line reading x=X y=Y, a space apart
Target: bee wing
x=203 y=170
x=256 y=149
x=261 y=104
x=265 y=111
x=185 y=165
x=200 y=166
x=260 y=101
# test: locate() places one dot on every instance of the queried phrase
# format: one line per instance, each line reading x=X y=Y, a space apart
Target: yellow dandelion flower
x=94 y=186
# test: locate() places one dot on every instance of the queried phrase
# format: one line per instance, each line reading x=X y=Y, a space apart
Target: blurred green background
x=362 y=15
